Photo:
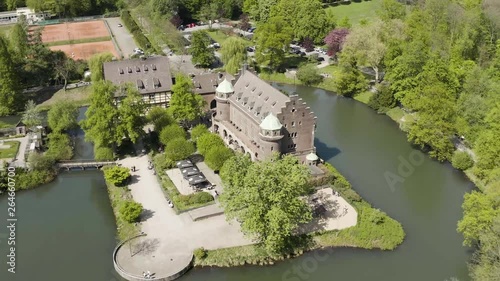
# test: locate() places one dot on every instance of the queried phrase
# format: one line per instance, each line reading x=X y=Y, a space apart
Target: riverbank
x=375 y=230
x=118 y=196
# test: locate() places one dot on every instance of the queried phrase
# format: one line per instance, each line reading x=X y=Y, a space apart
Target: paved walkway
x=19 y=160
x=170 y=237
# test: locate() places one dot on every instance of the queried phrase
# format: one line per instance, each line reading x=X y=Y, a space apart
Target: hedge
x=136 y=31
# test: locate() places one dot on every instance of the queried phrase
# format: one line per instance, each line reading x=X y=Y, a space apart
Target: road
x=122 y=36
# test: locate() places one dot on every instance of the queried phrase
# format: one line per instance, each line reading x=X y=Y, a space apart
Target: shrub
x=217 y=156
x=40 y=162
x=308 y=74
x=163 y=163
x=59 y=146
x=198 y=131
x=136 y=31
x=117 y=175
x=170 y=133
x=179 y=149
x=461 y=160
x=383 y=100
x=207 y=141
x=130 y=211
x=29 y=179
x=200 y=253
x=103 y=153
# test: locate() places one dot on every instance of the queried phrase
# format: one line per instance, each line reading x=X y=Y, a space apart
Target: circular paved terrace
x=143 y=253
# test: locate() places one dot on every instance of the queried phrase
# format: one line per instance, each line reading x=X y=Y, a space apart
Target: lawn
x=364 y=97
x=219 y=36
x=79 y=96
x=356 y=11
x=396 y=114
x=10 y=152
x=118 y=196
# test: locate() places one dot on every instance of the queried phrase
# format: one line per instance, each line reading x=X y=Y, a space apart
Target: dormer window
x=253 y=89
x=129 y=70
x=274 y=103
x=121 y=70
x=137 y=69
x=293 y=109
x=247 y=84
x=259 y=94
x=145 y=68
x=266 y=98
x=153 y=67
x=140 y=85
x=156 y=83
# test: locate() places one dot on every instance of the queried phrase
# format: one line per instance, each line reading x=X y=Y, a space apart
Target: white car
x=138 y=51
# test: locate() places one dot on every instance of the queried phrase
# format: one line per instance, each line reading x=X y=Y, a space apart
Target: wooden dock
x=84 y=164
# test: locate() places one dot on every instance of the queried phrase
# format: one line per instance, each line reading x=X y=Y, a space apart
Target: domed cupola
x=270 y=127
x=224 y=90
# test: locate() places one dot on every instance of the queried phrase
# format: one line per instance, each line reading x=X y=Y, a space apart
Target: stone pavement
x=170 y=237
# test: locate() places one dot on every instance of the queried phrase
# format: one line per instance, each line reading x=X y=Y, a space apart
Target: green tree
x=171 y=132
x=40 y=162
x=462 y=160
x=217 y=156
x=268 y=203
x=159 y=117
x=383 y=99
x=116 y=175
x=8 y=80
x=479 y=211
x=365 y=44
x=202 y=54
x=233 y=172
x=234 y=54
x=31 y=116
x=185 y=106
x=62 y=116
x=179 y=149
x=102 y=116
x=349 y=80
x=63 y=67
x=207 y=141
x=198 y=131
x=391 y=9
x=59 y=146
x=103 y=153
x=309 y=75
x=273 y=41
x=344 y=22
x=130 y=211
x=131 y=113
x=96 y=65
x=19 y=39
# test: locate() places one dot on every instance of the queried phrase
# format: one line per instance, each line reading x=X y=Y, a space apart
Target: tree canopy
x=273 y=41
x=202 y=54
x=267 y=202
x=234 y=54
x=185 y=106
x=62 y=116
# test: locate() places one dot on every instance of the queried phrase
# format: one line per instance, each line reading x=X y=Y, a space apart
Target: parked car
x=138 y=51
x=251 y=29
x=120 y=25
x=251 y=49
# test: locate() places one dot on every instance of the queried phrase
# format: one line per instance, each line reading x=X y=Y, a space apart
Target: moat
x=66 y=229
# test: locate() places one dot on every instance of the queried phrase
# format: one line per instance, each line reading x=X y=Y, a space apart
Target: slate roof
x=149 y=75
x=208 y=82
x=256 y=97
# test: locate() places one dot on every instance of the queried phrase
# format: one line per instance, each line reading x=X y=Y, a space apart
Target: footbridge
x=84 y=164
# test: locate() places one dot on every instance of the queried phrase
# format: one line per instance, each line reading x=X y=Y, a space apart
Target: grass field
x=78 y=41
x=364 y=97
x=10 y=152
x=356 y=11
x=219 y=37
x=79 y=96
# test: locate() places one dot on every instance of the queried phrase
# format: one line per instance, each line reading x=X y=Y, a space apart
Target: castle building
x=257 y=119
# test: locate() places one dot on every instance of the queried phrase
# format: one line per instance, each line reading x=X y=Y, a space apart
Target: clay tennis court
x=74 y=31
x=86 y=50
